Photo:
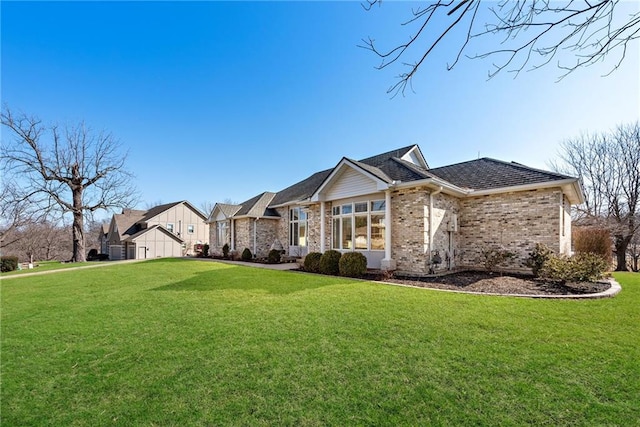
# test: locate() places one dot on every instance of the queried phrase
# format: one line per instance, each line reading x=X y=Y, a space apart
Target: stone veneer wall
x=281 y=228
x=243 y=234
x=512 y=221
x=266 y=233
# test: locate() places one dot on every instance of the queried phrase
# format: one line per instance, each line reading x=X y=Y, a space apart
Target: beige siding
x=181 y=216
x=157 y=244
x=351 y=183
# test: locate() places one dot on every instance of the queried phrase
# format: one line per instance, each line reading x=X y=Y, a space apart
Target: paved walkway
x=282 y=267
x=60 y=270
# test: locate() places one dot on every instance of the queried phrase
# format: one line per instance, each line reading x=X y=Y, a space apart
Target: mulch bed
x=496 y=283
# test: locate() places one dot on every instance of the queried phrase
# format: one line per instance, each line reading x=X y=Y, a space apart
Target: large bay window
x=359 y=226
x=297 y=227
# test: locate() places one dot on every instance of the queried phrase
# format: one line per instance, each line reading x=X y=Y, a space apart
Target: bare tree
x=609 y=166
x=531 y=32
x=17 y=209
x=80 y=170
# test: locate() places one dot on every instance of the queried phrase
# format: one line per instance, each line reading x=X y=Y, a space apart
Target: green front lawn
x=183 y=342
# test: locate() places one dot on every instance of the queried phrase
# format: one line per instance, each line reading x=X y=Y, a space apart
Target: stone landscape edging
x=613 y=290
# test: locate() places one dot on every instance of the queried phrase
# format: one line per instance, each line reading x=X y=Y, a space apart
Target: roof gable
x=351 y=176
x=257 y=206
x=157 y=210
x=225 y=209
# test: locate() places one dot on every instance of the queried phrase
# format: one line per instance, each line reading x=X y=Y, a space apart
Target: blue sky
x=223 y=100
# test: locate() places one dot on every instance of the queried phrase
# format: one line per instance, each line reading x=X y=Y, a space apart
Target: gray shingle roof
x=258 y=206
x=227 y=209
x=386 y=166
x=486 y=174
x=301 y=190
x=481 y=174
x=125 y=222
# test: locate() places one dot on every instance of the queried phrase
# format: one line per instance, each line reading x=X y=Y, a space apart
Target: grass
x=182 y=342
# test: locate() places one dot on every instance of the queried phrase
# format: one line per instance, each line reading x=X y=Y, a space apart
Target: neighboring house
x=171 y=230
x=400 y=213
x=103 y=239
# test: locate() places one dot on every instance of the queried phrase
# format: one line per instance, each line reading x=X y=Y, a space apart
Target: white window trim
x=353 y=214
x=296 y=223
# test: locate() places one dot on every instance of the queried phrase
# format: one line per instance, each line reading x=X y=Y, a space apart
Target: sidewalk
x=59 y=270
x=282 y=267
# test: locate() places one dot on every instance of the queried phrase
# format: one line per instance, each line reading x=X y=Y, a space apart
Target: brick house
x=169 y=230
x=403 y=215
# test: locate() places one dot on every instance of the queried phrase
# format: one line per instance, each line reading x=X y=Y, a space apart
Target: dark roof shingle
x=486 y=174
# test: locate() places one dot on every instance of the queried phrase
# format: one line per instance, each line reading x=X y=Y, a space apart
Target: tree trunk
x=621 y=244
x=78 y=227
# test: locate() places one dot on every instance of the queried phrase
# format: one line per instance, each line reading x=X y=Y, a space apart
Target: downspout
x=233 y=234
x=431 y=222
x=387 y=228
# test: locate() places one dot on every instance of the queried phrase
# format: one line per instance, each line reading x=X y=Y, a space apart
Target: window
x=221 y=233
x=297 y=227
x=170 y=227
x=359 y=226
x=191 y=228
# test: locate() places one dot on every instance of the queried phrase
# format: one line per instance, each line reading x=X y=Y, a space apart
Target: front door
x=142 y=252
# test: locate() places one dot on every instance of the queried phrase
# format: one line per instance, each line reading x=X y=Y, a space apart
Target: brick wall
x=512 y=221
x=409 y=228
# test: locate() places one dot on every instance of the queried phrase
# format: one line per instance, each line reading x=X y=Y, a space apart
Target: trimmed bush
x=495 y=256
x=225 y=251
x=330 y=262
x=8 y=263
x=246 y=255
x=578 y=268
x=353 y=264
x=312 y=262
x=274 y=256
x=540 y=254
x=205 y=250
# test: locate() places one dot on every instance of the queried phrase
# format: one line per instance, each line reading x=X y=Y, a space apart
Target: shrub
x=274 y=256
x=495 y=256
x=353 y=264
x=330 y=262
x=225 y=251
x=312 y=262
x=246 y=255
x=578 y=268
x=540 y=254
x=8 y=263
x=592 y=240
x=205 y=250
